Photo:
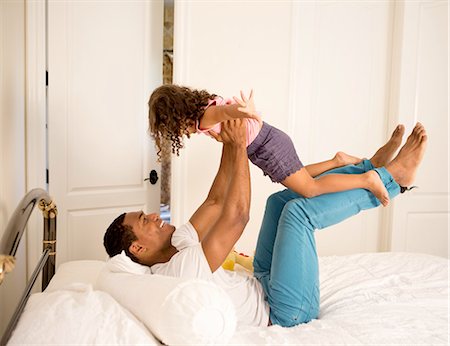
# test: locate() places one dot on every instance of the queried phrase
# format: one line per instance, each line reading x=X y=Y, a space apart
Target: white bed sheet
x=366 y=299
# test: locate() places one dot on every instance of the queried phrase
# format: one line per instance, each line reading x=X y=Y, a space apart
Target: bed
x=366 y=299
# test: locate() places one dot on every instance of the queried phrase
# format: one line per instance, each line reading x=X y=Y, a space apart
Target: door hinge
x=47 y=176
x=46 y=78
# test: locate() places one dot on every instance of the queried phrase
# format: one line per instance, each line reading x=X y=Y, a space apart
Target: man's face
x=152 y=233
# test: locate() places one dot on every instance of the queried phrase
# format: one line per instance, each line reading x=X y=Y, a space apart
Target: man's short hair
x=119 y=237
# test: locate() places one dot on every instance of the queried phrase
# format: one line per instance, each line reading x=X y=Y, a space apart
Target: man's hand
x=233 y=132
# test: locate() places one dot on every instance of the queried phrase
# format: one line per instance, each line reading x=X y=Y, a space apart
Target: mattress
x=366 y=299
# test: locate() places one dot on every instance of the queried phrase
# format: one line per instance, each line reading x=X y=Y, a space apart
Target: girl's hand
x=247 y=106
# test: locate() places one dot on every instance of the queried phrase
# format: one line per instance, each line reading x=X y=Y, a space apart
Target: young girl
x=175 y=111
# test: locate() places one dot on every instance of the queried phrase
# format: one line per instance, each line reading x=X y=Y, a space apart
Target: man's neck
x=163 y=256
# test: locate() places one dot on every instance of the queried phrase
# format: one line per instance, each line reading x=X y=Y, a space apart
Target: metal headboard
x=10 y=242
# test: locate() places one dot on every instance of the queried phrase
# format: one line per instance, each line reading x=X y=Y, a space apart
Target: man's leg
x=293 y=284
x=385 y=154
x=290 y=280
x=262 y=260
x=275 y=203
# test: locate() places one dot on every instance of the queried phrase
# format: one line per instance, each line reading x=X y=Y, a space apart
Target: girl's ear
x=192 y=127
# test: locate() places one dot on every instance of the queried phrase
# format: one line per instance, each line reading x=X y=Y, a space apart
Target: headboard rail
x=10 y=242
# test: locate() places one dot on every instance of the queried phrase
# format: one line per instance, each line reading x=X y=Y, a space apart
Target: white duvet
x=366 y=299
x=372 y=299
x=78 y=315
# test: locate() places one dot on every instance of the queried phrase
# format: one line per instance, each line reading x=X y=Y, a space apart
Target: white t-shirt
x=190 y=262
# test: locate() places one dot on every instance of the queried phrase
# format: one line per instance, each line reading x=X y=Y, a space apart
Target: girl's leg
x=339 y=160
x=292 y=286
x=307 y=186
x=360 y=168
x=275 y=203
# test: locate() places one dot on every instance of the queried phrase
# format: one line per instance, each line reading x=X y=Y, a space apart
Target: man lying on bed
x=285 y=286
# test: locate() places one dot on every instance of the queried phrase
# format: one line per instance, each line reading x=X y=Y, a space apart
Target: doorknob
x=152 y=177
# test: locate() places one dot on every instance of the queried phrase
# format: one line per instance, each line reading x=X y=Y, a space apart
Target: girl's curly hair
x=172 y=109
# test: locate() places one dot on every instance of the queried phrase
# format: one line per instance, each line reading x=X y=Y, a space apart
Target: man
x=285 y=286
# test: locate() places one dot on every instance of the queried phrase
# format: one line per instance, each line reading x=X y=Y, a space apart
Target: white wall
x=223 y=53
x=310 y=64
x=12 y=139
x=322 y=71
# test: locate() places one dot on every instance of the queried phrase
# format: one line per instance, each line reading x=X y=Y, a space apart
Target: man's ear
x=136 y=249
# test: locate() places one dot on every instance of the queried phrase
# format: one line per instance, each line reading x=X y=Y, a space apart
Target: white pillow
x=177 y=311
x=78 y=315
x=85 y=271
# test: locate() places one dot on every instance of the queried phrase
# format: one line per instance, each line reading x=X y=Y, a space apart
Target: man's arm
x=208 y=213
x=225 y=232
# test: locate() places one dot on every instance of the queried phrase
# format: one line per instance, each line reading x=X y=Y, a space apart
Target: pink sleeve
x=217 y=101
x=253 y=126
x=216 y=128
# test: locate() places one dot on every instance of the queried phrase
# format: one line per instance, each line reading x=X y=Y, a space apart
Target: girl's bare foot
x=386 y=152
x=343 y=159
x=404 y=167
x=376 y=186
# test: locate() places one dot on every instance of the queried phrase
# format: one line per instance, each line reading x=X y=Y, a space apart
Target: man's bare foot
x=404 y=167
x=376 y=186
x=387 y=151
x=343 y=159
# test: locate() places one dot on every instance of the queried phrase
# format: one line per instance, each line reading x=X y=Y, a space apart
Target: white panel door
x=104 y=59
x=339 y=98
x=420 y=218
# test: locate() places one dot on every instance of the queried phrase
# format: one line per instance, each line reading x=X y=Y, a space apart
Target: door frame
x=35 y=117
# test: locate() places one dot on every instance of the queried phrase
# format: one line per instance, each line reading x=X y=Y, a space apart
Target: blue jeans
x=286 y=261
